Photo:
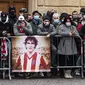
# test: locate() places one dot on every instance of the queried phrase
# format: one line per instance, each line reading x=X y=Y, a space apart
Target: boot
x=66 y=75
x=69 y=74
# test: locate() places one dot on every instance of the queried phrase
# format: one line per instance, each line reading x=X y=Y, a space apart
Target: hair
x=46 y=18
x=26 y=15
x=23 y=10
x=74 y=12
x=82 y=11
x=35 y=12
x=63 y=15
x=65 y=20
x=40 y=14
x=31 y=38
x=55 y=15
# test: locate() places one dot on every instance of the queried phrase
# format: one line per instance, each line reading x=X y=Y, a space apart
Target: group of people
x=49 y=24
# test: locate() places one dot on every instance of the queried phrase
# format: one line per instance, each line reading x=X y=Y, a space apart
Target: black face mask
x=3 y=19
x=12 y=13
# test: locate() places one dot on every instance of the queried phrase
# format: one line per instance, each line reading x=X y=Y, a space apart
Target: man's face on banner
x=30 y=45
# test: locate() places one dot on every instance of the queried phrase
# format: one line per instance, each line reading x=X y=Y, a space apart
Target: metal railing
x=78 y=41
x=5 y=60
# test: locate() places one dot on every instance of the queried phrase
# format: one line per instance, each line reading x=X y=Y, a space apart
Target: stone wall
x=59 y=5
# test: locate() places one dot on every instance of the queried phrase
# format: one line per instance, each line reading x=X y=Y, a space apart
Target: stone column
x=32 y=5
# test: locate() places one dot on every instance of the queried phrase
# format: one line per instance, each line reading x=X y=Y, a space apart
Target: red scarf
x=3 y=48
x=20 y=29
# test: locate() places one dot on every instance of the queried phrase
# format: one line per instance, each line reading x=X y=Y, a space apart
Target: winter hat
x=24 y=10
x=46 y=18
x=3 y=16
x=21 y=17
x=12 y=8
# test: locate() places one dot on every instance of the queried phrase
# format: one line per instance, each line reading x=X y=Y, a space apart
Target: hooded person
x=5 y=31
x=12 y=11
x=35 y=21
x=12 y=15
x=22 y=27
x=47 y=29
x=5 y=27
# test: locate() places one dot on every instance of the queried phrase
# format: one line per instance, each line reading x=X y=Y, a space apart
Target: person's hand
x=4 y=32
x=8 y=34
x=70 y=34
x=73 y=32
x=48 y=35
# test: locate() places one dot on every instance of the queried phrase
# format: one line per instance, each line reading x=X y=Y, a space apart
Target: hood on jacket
x=4 y=17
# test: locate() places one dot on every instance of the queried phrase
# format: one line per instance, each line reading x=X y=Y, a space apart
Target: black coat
x=82 y=31
x=12 y=21
x=5 y=27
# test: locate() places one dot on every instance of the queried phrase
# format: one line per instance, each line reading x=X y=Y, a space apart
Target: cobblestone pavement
x=46 y=81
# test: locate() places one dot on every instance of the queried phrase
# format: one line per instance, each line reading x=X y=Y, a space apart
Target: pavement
x=43 y=81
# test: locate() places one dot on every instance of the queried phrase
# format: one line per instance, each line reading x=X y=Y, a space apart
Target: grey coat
x=67 y=44
x=27 y=29
x=45 y=31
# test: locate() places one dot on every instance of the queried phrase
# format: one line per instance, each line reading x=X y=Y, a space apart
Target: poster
x=30 y=54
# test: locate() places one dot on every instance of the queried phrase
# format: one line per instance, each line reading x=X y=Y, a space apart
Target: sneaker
x=41 y=74
x=77 y=72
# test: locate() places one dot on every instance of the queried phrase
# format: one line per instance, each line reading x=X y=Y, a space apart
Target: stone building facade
x=59 y=5
x=43 y=5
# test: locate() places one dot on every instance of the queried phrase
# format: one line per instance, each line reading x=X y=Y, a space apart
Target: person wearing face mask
x=35 y=21
x=67 y=30
x=5 y=31
x=5 y=27
x=47 y=29
x=62 y=17
x=56 y=21
x=12 y=16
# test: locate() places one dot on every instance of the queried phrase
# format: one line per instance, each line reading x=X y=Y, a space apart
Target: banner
x=30 y=54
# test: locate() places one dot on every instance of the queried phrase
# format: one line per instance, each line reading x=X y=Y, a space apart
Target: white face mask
x=36 y=17
x=56 y=21
x=68 y=24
